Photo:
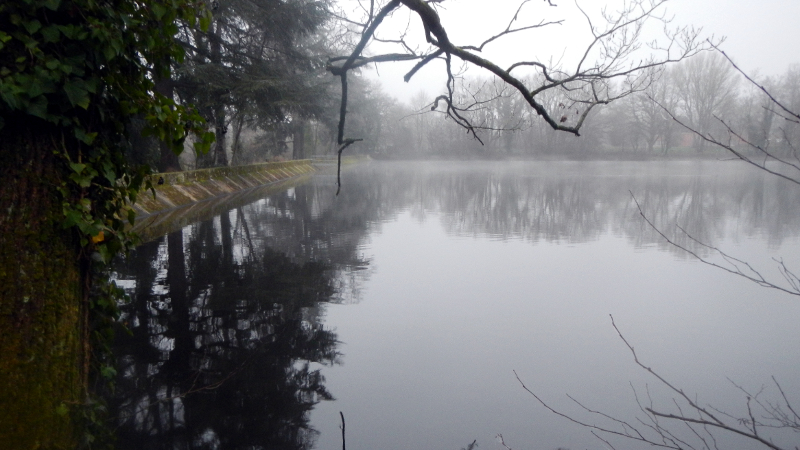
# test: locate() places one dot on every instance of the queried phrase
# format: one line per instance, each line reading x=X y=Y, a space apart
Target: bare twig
x=503 y=442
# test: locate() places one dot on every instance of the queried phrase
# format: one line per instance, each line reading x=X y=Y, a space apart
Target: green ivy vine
x=85 y=68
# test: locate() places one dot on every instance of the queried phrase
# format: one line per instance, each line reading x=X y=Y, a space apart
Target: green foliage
x=77 y=72
x=87 y=66
x=104 y=316
x=260 y=62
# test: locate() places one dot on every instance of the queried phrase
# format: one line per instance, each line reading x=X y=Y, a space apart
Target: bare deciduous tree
x=607 y=57
x=707 y=88
x=785 y=165
x=649 y=121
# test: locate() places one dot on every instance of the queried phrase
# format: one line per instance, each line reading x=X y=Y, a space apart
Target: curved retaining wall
x=176 y=189
x=187 y=197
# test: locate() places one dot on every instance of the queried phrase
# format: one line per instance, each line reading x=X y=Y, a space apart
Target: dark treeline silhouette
x=255 y=72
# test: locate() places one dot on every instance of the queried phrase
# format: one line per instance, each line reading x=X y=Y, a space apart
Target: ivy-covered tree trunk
x=42 y=345
x=75 y=75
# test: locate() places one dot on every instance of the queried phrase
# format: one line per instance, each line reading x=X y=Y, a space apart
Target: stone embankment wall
x=177 y=189
x=183 y=198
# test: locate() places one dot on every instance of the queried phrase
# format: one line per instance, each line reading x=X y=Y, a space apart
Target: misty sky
x=759 y=35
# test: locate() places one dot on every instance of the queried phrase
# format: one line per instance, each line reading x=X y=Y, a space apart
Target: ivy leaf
x=84 y=181
x=50 y=33
x=32 y=26
x=108 y=372
x=83 y=136
x=158 y=10
x=205 y=22
x=77 y=167
x=105 y=253
x=71 y=218
x=62 y=410
x=204 y=145
x=85 y=204
x=3 y=39
x=39 y=86
x=108 y=172
x=69 y=30
x=91 y=84
x=52 y=5
x=37 y=107
x=77 y=93
x=99 y=237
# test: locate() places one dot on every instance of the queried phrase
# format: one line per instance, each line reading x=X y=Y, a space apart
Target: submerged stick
x=342 y=415
x=346 y=144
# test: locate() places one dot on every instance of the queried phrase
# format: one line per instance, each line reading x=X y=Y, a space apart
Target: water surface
x=413 y=296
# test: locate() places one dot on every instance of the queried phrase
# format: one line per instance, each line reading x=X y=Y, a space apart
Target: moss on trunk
x=42 y=344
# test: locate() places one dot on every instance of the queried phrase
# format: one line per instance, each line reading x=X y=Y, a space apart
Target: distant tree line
x=257 y=76
x=702 y=92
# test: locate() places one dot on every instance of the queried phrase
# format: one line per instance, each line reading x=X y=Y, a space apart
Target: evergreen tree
x=259 y=62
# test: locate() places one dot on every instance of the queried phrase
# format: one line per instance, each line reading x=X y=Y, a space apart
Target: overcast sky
x=760 y=35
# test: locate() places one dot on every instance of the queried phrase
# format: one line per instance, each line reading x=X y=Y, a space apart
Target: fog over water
x=412 y=297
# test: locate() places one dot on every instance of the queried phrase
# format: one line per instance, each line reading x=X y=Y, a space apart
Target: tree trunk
x=220 y=127
x=299 y=140
x=237 y=135
x=169 y=161
x=43 y=344
x=220 y=157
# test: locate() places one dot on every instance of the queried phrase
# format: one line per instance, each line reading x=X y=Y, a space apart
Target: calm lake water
x=409 y=301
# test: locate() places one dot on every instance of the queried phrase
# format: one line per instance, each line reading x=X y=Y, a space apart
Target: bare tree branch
x=791 y=113
x=587 y=85
x=509 y=30
x=735 y=266
x=652 y=431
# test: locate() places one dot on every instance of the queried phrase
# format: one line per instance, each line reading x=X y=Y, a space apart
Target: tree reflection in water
x=226 y=339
